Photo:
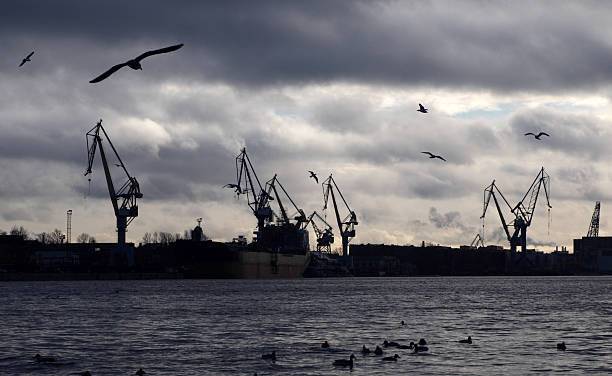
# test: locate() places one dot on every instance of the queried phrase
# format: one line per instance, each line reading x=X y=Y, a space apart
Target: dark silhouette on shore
x=27 y=58
x=431 y=155
x=135 y=63
x=537 y=136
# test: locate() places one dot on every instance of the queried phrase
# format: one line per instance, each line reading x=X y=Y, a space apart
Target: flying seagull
x=538 y=135
x=27 y=58
x=135 y=63
x=431 y=155
x=422 y=109
x=313 y=175
x=235 y=186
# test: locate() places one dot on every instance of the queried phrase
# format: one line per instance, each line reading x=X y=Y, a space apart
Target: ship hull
x=252 y=264
x=220 y=260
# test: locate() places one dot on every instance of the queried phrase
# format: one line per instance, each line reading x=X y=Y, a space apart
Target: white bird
x=537 y=136
x=135 y=63
x=27 y=58
x=313 y=175
x=422 y=109
x=431 y=155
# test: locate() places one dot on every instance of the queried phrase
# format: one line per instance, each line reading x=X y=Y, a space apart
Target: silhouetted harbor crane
x=257 y=198
x=325 y=235
x=594 y=226
x=523 y=211
x=346 y=226
x=123 y=200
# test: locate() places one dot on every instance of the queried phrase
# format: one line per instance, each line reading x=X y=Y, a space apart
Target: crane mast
x=346 y=226
x=523 y=211
x=124 y=200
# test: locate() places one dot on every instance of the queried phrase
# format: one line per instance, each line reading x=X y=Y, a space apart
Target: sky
x=327 y=86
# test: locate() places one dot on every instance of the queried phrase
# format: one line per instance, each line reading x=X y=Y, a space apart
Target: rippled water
x=222 y=327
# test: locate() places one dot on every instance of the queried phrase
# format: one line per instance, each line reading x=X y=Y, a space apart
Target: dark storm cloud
x=503 y=46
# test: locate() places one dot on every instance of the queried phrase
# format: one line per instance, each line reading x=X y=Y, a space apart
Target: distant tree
x=21 y=231
x=85 y=238
x=147 y=238
x=56 y=237
x=187 y=235
x=165 y=237
x=43 y=237
x=155 y=237
x=2 y=232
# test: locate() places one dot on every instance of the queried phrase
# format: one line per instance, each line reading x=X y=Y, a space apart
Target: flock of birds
x=136 y=65
x=424 y=110
x=418 y=347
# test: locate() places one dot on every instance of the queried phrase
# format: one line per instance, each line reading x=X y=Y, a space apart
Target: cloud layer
x=331 y=87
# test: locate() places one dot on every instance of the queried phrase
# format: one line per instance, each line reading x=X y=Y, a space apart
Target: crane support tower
x=123 y=200
x=346 y=226
x=523 y=211
x=594 y=227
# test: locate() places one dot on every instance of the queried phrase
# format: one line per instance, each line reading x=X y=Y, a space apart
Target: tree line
x=58 y=237
x=54 y=237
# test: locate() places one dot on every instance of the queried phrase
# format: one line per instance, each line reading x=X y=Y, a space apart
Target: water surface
x=222 y=327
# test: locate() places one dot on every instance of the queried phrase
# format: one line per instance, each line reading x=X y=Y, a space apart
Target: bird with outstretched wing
x=235 y=186
x=27 y=58
x=135 y=63
x=314 y=176
x=431 y=155
x=537 y=136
